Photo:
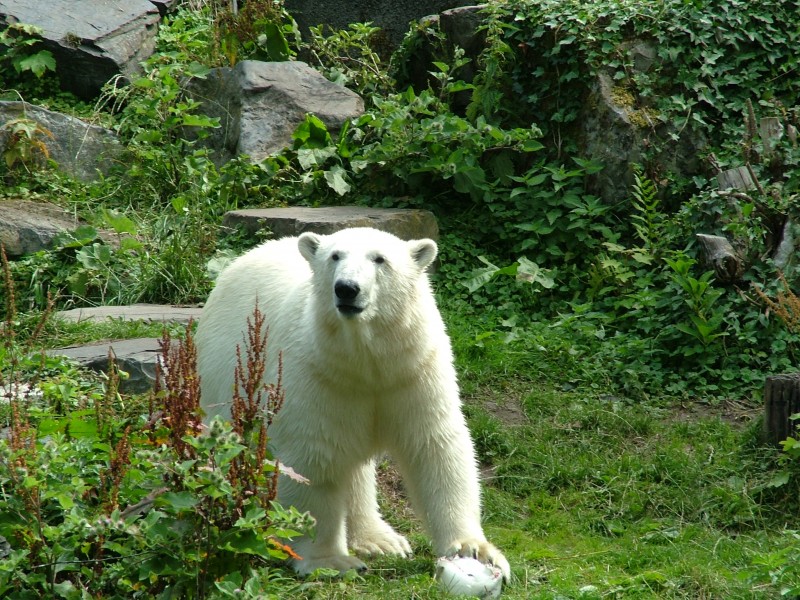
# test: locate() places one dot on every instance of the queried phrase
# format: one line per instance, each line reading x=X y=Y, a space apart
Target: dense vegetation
x=593 y=317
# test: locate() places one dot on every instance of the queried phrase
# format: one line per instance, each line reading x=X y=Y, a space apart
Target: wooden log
x=781 y=401
x=770 y=130
x=785 y=250
x=719 y=253
x=737 y=179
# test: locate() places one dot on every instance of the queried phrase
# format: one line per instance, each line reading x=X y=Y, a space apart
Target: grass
x=588 y=494
x=593 y=498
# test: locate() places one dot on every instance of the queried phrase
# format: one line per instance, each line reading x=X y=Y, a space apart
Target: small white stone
x=19 y=391
x=461 y=576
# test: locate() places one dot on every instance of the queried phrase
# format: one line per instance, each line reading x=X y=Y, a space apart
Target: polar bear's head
x=363 y=272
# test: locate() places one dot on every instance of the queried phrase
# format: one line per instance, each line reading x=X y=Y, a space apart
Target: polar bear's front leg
x=328 y=548
x=367 y=532
x=441 y=476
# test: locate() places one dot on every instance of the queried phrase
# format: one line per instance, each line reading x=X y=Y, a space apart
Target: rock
x=615 y=130
x=164 y=6
x=137 y=357
x=149 y=313
x=79 y=149
x=27 y=227
x=260 y=104
x=392 y=16
x=19 y=391
x=407 y=224
x=461 y=27
x=91 y=40
x=612 y=134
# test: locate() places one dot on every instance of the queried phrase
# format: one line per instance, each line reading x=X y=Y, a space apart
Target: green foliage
x=646 y=215
x=779 y=568
x=98 y=499
x=20 y=49
x=349 y=57
x=709 y=58
x=25 y=146
x=70 y=512
x=259 y=30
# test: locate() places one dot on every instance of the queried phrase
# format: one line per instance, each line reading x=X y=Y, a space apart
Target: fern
x=646 y=218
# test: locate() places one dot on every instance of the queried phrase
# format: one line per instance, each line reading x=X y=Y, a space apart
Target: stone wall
x=392 y=16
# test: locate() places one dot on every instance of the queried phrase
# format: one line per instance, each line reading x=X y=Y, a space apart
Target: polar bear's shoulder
x=276 y=258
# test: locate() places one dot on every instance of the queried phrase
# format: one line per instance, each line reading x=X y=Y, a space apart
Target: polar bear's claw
x=485 y=552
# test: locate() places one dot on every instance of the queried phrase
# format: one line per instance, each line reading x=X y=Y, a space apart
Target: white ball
x=462 y=576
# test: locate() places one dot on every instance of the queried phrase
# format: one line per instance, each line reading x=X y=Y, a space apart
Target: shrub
x=100 y=501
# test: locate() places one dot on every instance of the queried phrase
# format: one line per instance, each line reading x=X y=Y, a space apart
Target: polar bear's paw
x=339 y=562
x=483 y=551
x=378 y=539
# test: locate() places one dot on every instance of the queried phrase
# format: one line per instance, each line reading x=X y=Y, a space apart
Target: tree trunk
x=719 y=253
x=781 y=401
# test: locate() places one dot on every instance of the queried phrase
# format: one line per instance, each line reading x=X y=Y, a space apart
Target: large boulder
x=260 y=104
x=79 y=149
x=407 y=224
x=617 y=129
x=27 y=227
x=91 y=40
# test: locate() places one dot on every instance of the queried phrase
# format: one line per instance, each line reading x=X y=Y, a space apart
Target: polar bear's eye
x=335 y=256
x=379 y=260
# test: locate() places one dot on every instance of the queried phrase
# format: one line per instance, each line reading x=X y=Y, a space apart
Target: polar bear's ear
x=308 y=244
x=423 y=252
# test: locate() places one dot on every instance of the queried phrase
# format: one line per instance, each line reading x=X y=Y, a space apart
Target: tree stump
x=781 y=401
x=770 y=129
x=719 y=253
x=738 y=178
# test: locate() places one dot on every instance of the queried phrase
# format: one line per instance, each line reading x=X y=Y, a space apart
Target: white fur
x=357 y=386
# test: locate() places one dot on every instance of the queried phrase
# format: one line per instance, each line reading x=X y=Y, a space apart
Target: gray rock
x=165 y=6
x=392 y=16
x=260 y=104
x=616 y=128
x=612 y=133
x=78 y=148
x=27 y=227
x=407 y=224
x=137 y=357
x=91 y=40
x=149 y=313
x=461 y=27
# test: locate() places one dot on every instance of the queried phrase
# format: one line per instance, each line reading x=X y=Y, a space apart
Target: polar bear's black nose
x=346 y=290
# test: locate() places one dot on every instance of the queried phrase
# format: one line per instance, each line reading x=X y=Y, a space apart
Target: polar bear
x=367 y=370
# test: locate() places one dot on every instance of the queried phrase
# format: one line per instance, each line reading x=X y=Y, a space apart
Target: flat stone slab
x=138 y=357
x=407 y=224
x=149 y=313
